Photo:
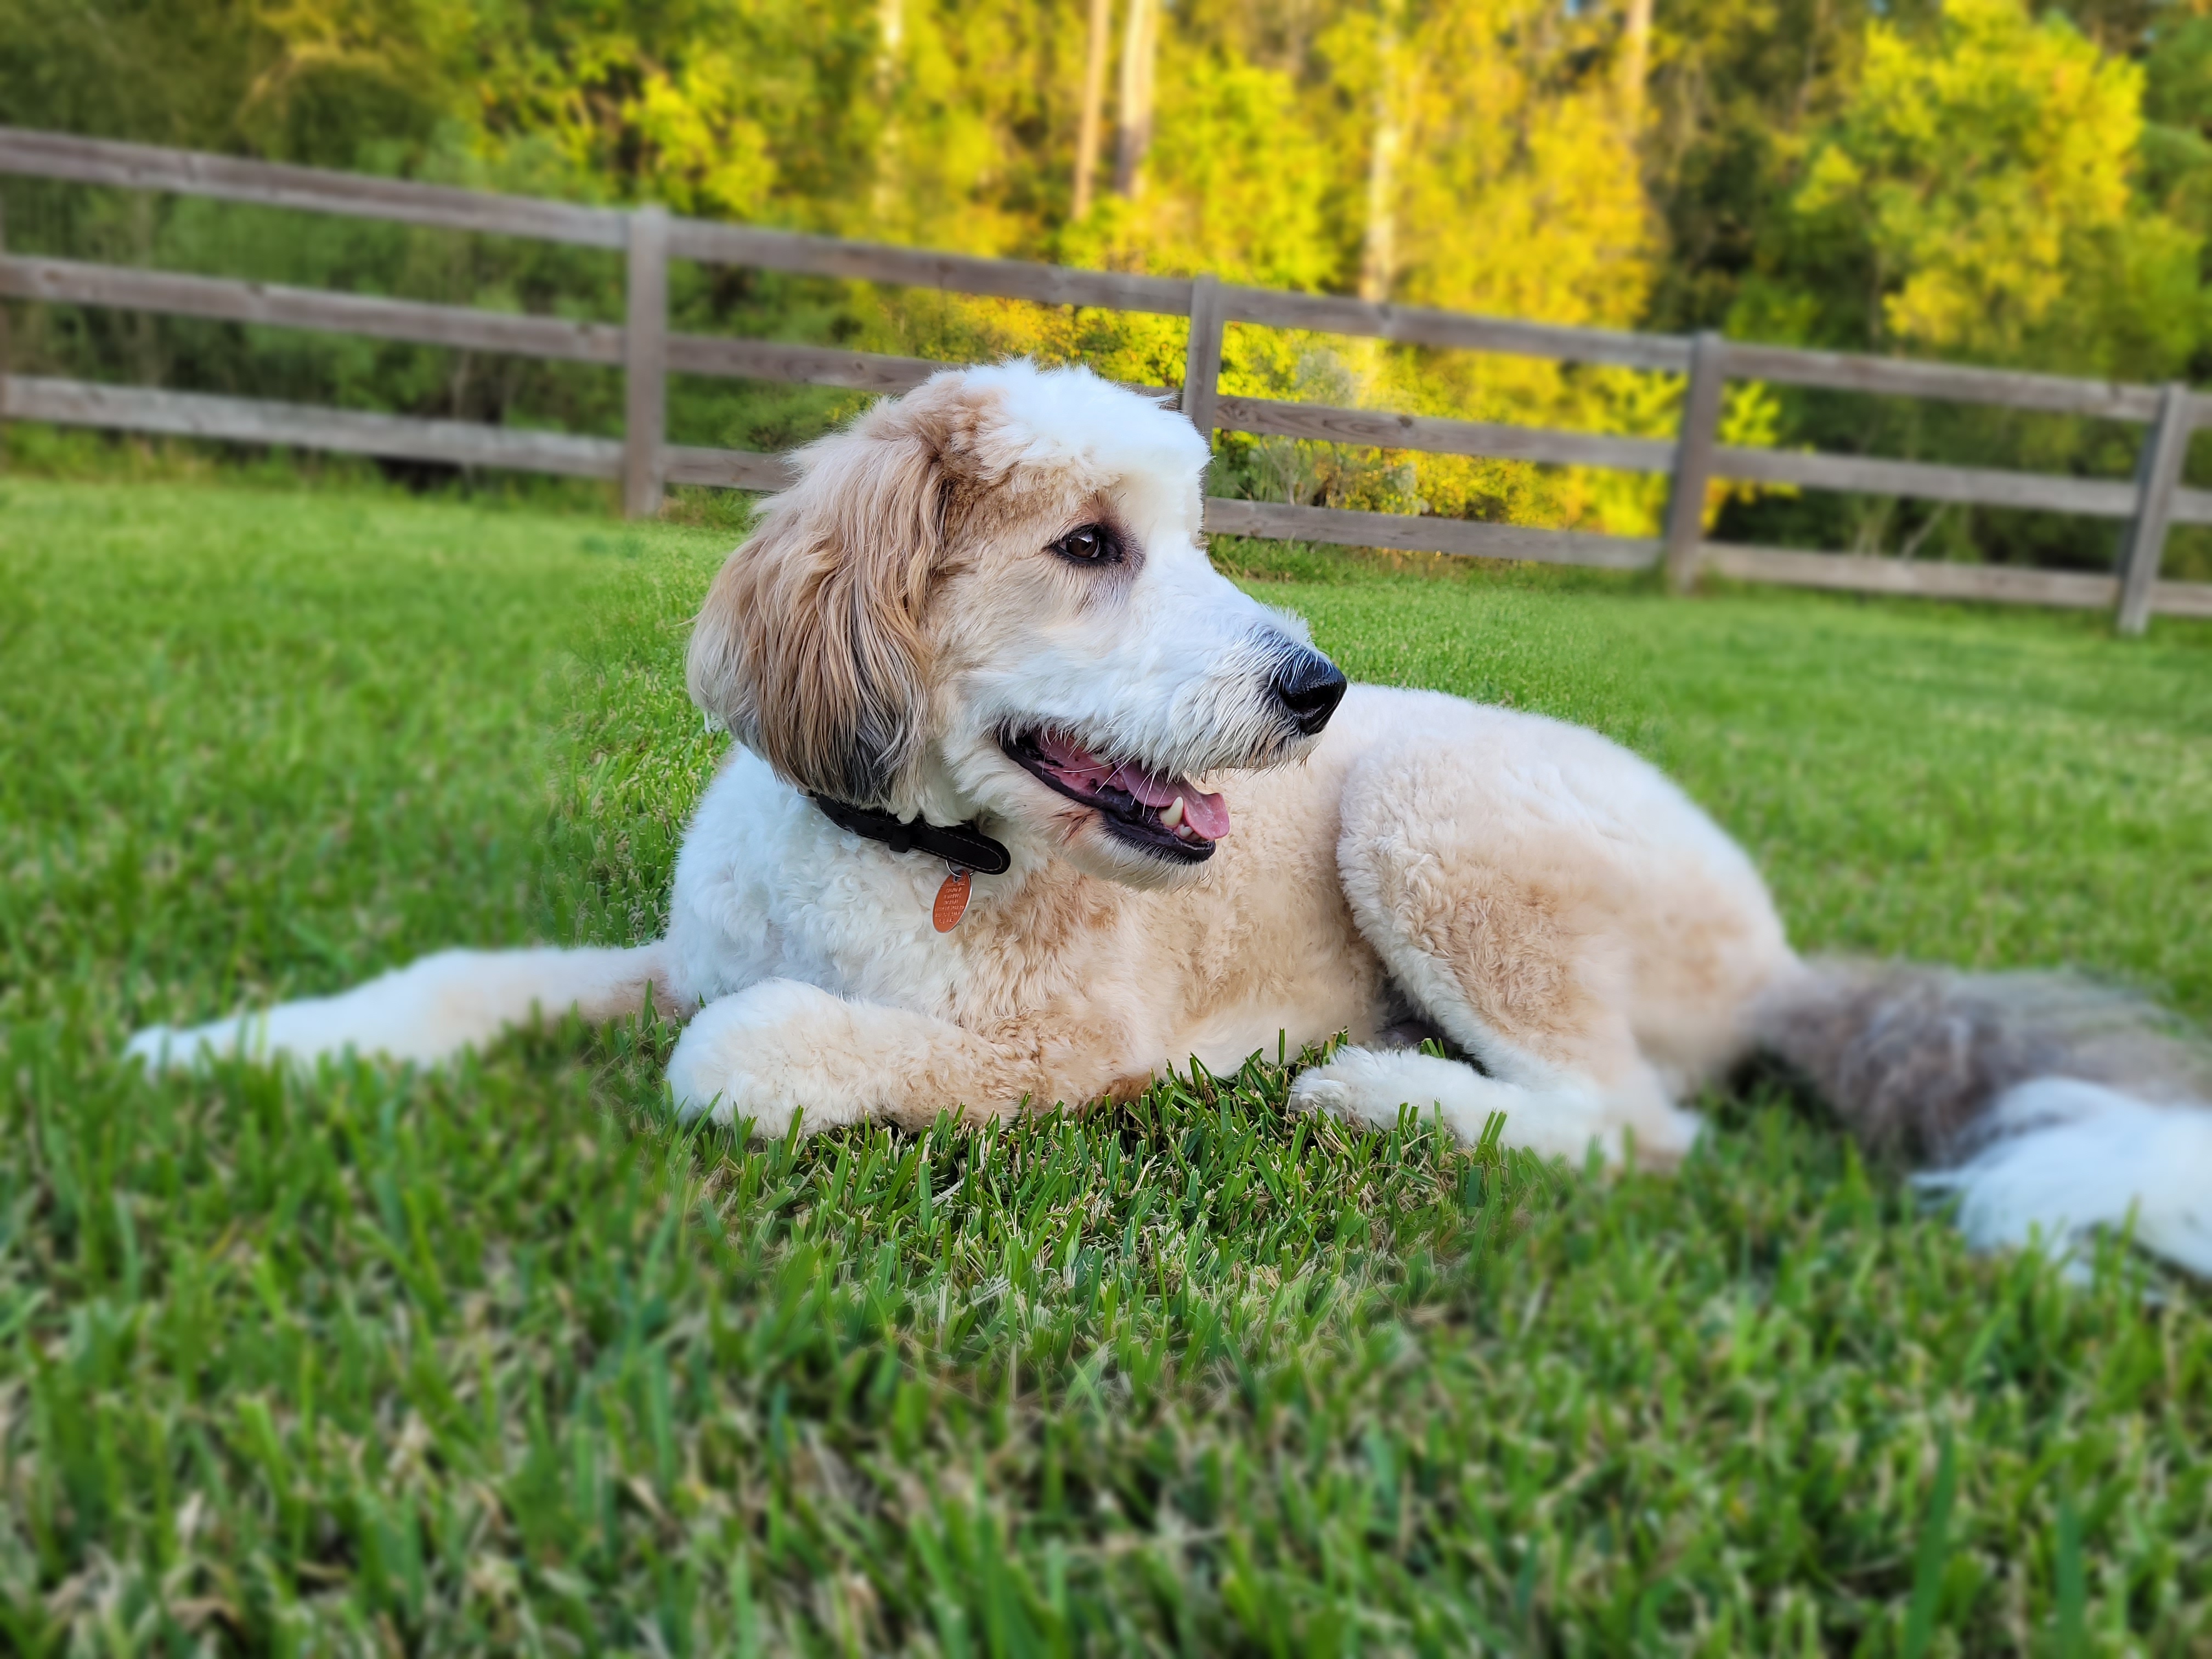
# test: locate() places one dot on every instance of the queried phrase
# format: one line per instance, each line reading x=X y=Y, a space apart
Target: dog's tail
x=2048 y=1105
x=428 y=1010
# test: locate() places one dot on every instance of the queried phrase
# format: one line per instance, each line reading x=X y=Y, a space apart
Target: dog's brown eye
x=1091 y=544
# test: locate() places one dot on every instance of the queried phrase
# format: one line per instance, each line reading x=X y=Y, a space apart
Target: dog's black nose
x=1310 y=686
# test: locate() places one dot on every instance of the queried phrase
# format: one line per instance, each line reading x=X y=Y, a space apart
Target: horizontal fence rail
x=354 y=432
x=644 y=349
x=224 y=299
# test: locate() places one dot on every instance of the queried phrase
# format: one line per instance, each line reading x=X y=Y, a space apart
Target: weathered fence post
x=7 y=355
x=1202 y=363
x=1693 y=459
x=2157 y=473
x=644 y=363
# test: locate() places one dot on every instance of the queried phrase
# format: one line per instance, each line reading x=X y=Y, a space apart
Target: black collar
x=963 y=844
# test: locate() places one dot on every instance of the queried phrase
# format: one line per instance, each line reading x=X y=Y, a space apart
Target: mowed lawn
x=495 y=1358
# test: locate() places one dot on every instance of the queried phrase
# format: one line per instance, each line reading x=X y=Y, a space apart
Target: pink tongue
x=1206 y=815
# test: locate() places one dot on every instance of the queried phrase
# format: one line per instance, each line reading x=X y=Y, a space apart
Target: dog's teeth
x=1173 y=815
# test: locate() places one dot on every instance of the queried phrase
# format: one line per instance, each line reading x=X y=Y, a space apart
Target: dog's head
x=987 y=598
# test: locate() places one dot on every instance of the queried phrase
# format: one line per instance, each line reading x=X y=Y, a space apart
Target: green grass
x=496 y=1358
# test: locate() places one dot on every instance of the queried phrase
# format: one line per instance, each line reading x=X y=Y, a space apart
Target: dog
x=1026 y=802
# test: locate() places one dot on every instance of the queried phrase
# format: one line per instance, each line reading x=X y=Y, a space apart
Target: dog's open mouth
x=1168 y=816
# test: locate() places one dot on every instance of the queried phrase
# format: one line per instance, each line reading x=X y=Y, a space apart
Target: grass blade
x=1934 y=1554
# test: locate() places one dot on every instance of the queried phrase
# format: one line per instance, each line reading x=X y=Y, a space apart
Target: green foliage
x=1240 y=183
x=1973 y=196
x=1973 y=200
x=496 y=1358
x=917 y=122
x=1973 y=179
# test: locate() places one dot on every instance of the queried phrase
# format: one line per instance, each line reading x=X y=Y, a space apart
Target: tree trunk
x=1635 y=63
x=1378 y=257
x=891 y=36
x=1094 y=101
x=1134 y=134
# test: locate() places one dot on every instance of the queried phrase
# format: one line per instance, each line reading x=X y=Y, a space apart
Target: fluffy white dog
x=1030 y=802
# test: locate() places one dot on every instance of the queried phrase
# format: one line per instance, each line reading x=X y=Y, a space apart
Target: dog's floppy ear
x=809 y=646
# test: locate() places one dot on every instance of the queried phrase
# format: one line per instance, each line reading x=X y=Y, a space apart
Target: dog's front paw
x=159 y=1048
x=763 y=1056
x=163 y=1048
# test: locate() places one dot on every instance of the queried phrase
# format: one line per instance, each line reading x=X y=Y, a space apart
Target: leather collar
x=961 y=845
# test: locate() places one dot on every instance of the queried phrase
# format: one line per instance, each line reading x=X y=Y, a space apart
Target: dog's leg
x=1551 y=1110
x=1369 y=1086
x=782 y=1049
x=1575 y=1084
x=428 y=1010
x=1485 y=911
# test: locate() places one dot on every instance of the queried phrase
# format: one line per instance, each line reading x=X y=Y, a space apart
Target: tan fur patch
x=810 y=645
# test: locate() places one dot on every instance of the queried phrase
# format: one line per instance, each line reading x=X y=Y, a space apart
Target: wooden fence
x=647 y=353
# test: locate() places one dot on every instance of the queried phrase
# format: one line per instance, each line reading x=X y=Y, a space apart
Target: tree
x=1974 y=198
x=1094 y=98
x=1133 y=136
